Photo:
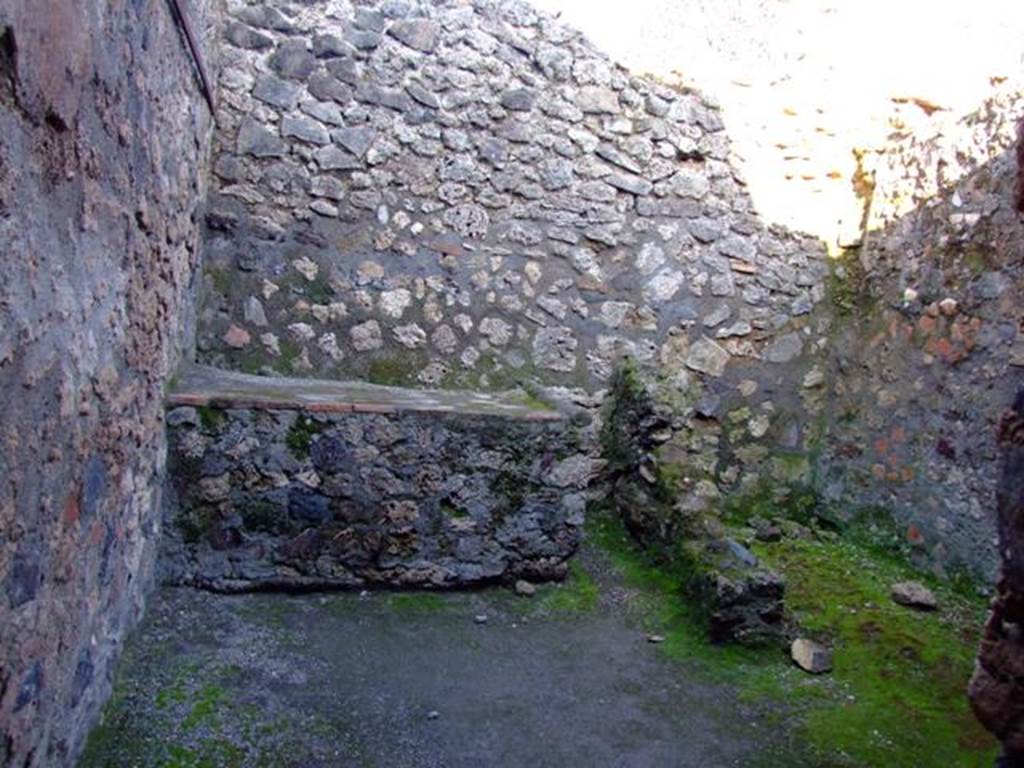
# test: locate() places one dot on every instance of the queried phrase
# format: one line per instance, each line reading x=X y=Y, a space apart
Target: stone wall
x=1020 y=166
x=440 y=194
x=919 y=164
x=103 y=138
x=913 y=357
x=996 y=690
x=656 y=490
x=469 y=194
x=288 y=485
x=929 y=341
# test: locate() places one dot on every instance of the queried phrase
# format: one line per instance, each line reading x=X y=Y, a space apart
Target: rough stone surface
x=913 y=594
x=421 y=34
x=811 y=656
x=996 y=690
x=294 y=485
x=744 y=599
x=708 y=357
x=103 y=144
x=659 y=491
x=525 y=588
x=917 y=382
x=1020 y=166
x=490 y=188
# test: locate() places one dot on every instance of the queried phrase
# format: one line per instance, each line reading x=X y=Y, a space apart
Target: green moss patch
x=195 y=522
x=300 y=435
x=221 y=279
x=897 y=694
x=178 y=722
x=211 y=418
x=265 y=517
x=417 y=602
x=509 y=488
x=448 y=509
x=661 y=604
x=578 y=594
x=390 y=372
x=533 y=402
x=768 y=501
x=290 y=354
x=318 y=291
x=628 y=400
x=847 y=285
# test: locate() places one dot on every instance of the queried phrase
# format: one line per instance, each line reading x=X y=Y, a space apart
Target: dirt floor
x=568 y=677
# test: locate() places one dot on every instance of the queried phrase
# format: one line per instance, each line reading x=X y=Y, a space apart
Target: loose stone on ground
x=913 y=594
x=811 y=656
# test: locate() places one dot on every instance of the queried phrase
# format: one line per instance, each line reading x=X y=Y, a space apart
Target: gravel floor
x=400 y=680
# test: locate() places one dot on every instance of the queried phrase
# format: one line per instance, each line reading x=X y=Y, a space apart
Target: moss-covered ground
x=895 y=697
x=411 y=679
x=578 y=594
x=350 y=679
x=193 y=722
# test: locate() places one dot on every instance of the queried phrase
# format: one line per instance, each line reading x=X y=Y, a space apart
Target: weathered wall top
x=471 y=195
x=916 y=167
x=298 y=484
x=208 y=387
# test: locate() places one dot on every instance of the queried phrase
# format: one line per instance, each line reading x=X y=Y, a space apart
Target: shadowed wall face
x=1020 y=167
x=997 y=687
x=103 y=136
x=929 y=346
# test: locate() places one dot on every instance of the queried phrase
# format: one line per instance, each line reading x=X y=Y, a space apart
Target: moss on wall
x=300 y=435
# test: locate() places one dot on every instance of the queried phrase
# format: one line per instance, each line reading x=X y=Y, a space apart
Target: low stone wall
x=285 y=484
